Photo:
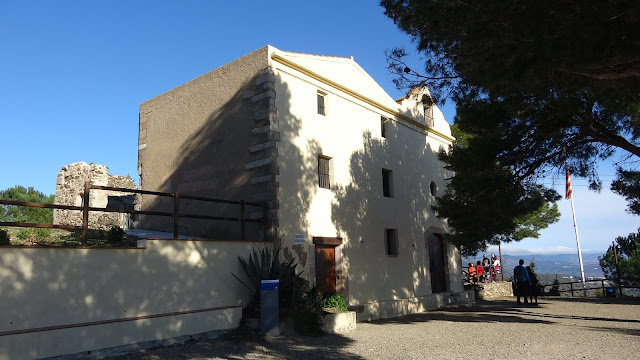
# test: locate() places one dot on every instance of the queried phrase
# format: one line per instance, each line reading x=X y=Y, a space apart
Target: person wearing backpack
x=522 y=281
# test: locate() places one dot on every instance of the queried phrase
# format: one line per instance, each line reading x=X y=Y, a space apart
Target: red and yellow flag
x=569 y=190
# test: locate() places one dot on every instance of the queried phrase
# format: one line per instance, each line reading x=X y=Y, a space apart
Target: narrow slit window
x=383 y=124
x=387 y=183
x=324 y=172
x=391 y=242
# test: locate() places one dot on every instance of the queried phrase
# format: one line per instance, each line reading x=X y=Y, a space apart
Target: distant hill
x=548 y=266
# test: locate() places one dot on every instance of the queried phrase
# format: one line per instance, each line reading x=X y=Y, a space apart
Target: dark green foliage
x=532 y=265
x=627 y=184
x=334 y=301
x=628 y=249
x=5 y=240
x=34 y=235
x=538 y=85
x=116 y=236
x=555 y=288
x=506 y=48
x=485 y=203
x=26 y=214
x=307 y=317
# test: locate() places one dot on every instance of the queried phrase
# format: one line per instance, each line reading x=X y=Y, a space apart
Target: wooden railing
x=602 y=286
x=176 y=215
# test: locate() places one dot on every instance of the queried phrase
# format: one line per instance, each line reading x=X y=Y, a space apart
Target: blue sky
x=73 y=74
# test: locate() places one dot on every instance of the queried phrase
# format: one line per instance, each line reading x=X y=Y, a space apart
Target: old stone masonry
x=70 y=187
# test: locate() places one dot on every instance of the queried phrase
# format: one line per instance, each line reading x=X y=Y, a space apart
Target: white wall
x=354 y=208
x=133 y=293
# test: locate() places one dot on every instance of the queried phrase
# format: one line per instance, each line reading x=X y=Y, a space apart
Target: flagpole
x=569 y=195
x=575 y=226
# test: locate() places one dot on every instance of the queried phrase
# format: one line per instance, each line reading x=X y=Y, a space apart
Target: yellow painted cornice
x=358 y=96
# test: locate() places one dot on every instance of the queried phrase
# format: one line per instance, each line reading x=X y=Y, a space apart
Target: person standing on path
x=486 y=263
x=495 y=263
x=533 y=280
x=521 y=278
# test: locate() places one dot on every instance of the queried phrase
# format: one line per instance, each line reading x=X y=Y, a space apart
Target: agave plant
x=264 y=264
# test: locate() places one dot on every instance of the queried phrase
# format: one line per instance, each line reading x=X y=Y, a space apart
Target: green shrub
x=34 y=235
x=334 y=301
x=307 y=323
x=116 y=235
x=73 y=238
x=5 y=240
x=555 y=288
x=307 y=319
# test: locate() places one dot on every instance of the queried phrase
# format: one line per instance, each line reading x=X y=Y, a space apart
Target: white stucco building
x=345 y=169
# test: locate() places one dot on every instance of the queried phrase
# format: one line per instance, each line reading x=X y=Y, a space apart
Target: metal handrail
x=85 y=208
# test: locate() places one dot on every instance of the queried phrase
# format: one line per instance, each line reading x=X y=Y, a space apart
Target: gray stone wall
x=212 y=137
x=70 y=187
x=495 y=290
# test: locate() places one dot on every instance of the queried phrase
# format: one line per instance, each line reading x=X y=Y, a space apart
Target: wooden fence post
x=615 y=253
x=176 y=214
x=85 y=212
x=242 y=223
x=571 y=284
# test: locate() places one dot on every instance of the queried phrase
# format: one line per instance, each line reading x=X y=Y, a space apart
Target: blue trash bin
x=610 y=291
x=270 y=311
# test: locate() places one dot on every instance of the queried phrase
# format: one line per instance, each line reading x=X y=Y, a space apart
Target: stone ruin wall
x=70 y=187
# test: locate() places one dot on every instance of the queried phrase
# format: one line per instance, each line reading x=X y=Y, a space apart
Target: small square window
x=383 y=124
x=391 y=241
x=324 y=172
x=387 y=183
x=322 y=103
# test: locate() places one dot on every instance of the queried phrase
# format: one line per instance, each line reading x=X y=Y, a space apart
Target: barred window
x=321 y=104
x=324 y=172
x=428 y=116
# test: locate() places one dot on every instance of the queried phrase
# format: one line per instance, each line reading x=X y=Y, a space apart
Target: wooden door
x=326 y=268
x=436 y=263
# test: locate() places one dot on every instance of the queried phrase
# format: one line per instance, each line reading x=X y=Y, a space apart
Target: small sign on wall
x=299 y=239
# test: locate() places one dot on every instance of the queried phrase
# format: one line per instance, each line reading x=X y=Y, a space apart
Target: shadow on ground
x=242 y=343
x=627 y=300
x=482 y=312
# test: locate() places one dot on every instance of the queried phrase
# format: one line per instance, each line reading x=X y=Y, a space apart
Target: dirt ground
x=558 y=328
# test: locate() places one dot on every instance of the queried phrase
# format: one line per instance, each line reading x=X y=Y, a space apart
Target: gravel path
x=559 y=328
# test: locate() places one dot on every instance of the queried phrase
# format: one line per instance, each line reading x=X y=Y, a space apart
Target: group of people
x=526 y=283
x=485 y=270
x=525 y=279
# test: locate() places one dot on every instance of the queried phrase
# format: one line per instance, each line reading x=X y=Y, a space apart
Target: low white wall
x=400 y=307
x=59 y=301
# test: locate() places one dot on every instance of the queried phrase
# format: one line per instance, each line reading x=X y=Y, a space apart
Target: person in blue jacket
x=521 y=278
